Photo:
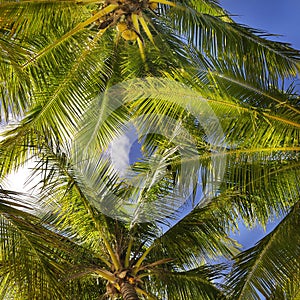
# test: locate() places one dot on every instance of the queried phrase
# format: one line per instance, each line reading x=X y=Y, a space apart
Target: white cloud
x=120 y=149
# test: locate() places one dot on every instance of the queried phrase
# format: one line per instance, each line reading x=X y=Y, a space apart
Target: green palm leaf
x=202 y=231
x=28 y=266
x=274 y=260
x=217 y=36
x=193 y=284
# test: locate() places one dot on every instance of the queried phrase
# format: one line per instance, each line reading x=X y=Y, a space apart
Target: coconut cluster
x=127 y=33
x=122 y=17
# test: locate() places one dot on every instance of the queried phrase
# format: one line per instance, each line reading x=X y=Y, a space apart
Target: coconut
x=129 y=35
x=153 y=5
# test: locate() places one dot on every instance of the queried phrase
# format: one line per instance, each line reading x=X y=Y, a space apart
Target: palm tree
x=46 y=258
x=56 y=59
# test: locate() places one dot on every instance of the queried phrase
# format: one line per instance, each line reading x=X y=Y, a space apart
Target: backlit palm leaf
x=273 y=261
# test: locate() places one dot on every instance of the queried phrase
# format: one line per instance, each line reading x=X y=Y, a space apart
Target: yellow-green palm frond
x=272 y=261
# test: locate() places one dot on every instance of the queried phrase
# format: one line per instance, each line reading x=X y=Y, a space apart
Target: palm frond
x=29 y=266
x=198 y=237
x=55 y=113
x=194 y=284
x=217 y=36
x=273 y=261
x=261 y=186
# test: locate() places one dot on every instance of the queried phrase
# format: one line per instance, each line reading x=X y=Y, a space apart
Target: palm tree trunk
x=128 y=291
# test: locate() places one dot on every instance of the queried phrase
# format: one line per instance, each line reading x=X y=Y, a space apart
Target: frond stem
x=141 y=259
x=128 y=252
x=142 y=292
x=73 y=31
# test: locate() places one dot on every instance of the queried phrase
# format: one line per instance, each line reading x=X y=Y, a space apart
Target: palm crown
x=57 y=57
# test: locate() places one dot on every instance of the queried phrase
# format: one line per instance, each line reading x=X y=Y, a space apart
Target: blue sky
x=273 y=16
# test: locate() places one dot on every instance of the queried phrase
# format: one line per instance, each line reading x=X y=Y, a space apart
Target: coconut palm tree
x=89 y=256
x=56 y=58
x=68 y=249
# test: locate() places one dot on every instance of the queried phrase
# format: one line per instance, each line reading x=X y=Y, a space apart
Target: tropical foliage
x=64 y=66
